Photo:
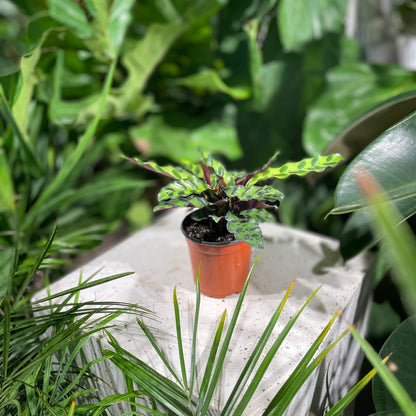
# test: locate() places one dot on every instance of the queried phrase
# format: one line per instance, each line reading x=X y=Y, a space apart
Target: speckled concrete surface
x=158 y=256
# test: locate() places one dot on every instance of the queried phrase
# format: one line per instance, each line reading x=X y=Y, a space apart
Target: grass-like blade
x=343 y=403
x=254 y=357
x=35 y=266
x=396 y=389
x=194 y=334
x=209 y=367
x=157 y=349
x=224 y=347
x=6 y=334
x=156 y=385
x=269 y=357
x=298 y=376
x=179 y=339
x=69 y=167
x=29 y=154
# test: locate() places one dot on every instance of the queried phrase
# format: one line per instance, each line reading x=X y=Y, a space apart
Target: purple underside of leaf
x=246 y=178
x=254 y=204
x=207 y=173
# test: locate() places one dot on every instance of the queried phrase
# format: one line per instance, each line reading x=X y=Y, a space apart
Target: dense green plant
x=233 y=202
x=182 y=397
x=42 y=369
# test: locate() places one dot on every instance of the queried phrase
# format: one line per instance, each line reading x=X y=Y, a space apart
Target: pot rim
x=207 y=243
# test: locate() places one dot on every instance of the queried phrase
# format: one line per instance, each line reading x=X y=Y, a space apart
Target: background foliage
x=82 y=82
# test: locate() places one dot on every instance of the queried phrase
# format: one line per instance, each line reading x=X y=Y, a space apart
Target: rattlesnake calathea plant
x=232 y=203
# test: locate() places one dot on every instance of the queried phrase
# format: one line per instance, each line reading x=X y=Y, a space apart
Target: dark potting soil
x=203 y=231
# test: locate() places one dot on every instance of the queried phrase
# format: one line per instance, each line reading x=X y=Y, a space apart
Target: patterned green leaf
x=218 y=169
x=313 y=164
x=259 y=193
x=194 y=202
x=170 y=171
x=259 y=215
x=245 y=229
x=182 y=188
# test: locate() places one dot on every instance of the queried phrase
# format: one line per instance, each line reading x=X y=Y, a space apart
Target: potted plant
x=221 y=232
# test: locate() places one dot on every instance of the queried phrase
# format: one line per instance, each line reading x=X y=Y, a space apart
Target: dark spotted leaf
x=260 y=193
x=170 y=171
x=191 y=202
x=245 y=229
x=301 y=168
x=182 y=188
x=259 y=215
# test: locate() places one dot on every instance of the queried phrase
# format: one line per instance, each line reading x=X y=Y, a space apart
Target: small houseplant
x=230 y=205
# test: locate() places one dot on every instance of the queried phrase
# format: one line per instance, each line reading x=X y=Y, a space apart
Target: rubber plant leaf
x=301 y=168
x=391 y=161
x=401 y=345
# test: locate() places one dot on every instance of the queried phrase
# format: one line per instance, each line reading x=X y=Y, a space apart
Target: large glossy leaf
x=391 y=160
x=353 y=89
x=302 y=21
x=357 y=136
x=401 y=344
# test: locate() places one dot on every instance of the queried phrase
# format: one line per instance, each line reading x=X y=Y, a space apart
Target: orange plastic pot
x=223 y=267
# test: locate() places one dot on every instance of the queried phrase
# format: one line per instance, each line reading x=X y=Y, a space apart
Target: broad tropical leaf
x=391 y=160
x=400 y=345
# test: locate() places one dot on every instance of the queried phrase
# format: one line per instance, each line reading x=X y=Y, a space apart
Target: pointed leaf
x=391 y=160
x=260 y=193
x=259 y=215
x=169 y=171
x=182 y=188
x=301 y=168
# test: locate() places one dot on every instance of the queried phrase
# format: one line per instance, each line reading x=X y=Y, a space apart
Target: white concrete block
x=159 y=259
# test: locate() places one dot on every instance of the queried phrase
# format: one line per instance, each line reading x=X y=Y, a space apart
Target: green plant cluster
x=234 y=202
